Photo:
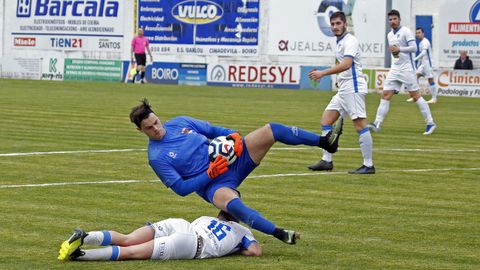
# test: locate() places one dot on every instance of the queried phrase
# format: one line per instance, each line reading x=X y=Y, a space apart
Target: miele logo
x=24 y=42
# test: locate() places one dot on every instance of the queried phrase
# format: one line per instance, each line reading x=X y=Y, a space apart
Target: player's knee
x=415 y=95
x=135 y=253
x=128 y=253
x=387 y=95
x=268 y=126
x=127 y=240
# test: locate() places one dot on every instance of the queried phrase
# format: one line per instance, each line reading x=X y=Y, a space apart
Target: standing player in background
x=425 y=67
x=402 y=46
x=178 y=153
x=169 y=239
x=350 y=98
x=139 y=45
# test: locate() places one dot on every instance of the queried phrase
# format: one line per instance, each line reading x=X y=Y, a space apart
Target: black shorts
x=141 y=59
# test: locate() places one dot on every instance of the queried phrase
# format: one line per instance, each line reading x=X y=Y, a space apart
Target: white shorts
x=395 y=79
x=351 y=104
x=174 y=239
x=425 y=71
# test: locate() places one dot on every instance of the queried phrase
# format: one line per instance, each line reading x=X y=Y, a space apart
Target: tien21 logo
x=197 y=11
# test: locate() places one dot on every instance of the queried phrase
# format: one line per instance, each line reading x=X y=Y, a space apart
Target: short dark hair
x=421 y=29
x=140 y=112
x=339 y=14
x=394 y=12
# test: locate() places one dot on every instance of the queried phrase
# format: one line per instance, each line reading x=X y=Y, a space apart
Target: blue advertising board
x=305 y=82
x=159 y=72
x=207 y=27
x=193 y=74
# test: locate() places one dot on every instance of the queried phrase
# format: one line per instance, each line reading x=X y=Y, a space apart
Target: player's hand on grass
x=217 y=167
x=238 y=146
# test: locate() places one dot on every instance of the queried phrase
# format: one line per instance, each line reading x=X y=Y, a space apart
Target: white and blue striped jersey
x=221 y=238
x=402 y=37
x=425 y=56
x=348 y=46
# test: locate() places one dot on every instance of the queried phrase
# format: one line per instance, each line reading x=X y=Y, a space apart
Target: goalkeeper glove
x=217 y=167
x=238 y=146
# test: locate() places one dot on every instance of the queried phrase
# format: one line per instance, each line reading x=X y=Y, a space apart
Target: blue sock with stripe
x=433 y=90
x=293 y=135
x=327 y=156
x=115 y=253
x=326 y=129
x=366 y=146
x=107 y=238
x=98 y=238
x=250 y=216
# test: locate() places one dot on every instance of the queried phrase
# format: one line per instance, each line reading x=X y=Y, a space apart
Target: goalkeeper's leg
x=228 y=200
x=261 y=140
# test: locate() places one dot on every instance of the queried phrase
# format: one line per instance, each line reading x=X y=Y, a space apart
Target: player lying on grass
x=169 y=239
x=178 y=153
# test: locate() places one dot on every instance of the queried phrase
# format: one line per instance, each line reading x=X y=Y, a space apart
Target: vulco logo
x=164 y=73
x=197 y=11
x=24 y=42
x=75 y=8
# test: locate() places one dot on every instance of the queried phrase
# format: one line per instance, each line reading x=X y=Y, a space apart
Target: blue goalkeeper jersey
x=183 y=152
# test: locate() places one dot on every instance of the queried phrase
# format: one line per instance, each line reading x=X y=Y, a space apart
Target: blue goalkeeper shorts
x=237 y=172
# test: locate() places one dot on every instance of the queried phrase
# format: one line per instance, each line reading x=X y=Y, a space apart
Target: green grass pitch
x=420 y=211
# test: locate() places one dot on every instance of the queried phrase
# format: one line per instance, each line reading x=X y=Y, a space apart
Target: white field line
x=249 y=177
x=69 y=152
x=274 y=149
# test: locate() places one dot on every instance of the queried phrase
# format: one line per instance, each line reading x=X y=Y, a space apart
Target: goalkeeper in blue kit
x=178 y=153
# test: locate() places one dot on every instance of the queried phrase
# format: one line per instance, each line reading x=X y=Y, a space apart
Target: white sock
x=425 y=110
x=101 y=254
x=433 y=90
x=366 y=145
x=98 y=238
x=327 y=156
x=382 y=111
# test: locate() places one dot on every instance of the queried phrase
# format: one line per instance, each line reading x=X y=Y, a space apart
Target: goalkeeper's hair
x=140 y=112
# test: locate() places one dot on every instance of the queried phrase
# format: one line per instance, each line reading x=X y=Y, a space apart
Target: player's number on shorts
x=219 y=229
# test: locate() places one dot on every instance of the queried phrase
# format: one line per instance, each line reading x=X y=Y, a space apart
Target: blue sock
x=250 y=216
x=107 y=238
x=326 y=129
x=294 y=135
x=115 y=253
